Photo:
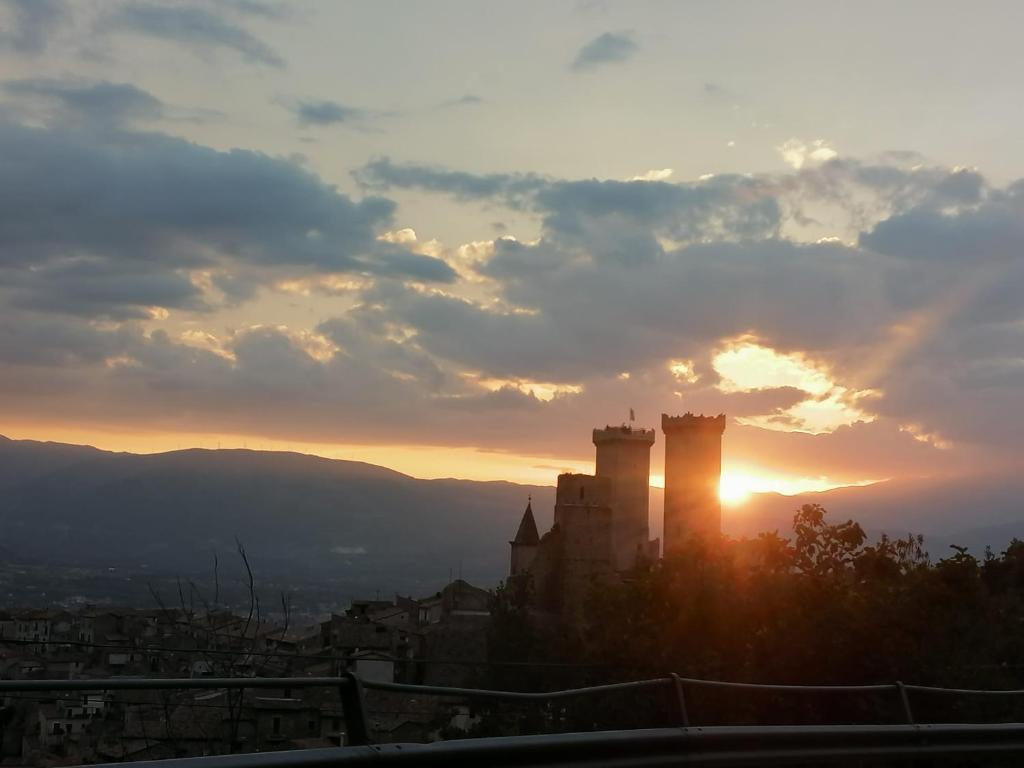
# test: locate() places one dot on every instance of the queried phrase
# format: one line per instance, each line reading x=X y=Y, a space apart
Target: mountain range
x=305 y=519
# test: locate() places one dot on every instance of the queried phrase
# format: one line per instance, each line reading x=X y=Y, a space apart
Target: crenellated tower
x=624 y=458
x=693 y=471
x=600 y=527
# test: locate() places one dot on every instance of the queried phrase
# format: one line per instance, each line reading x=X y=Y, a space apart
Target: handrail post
x=905 y=701
x=353 y=708
x=684 y=717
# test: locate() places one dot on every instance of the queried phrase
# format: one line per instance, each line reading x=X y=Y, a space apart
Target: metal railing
x=721 y=744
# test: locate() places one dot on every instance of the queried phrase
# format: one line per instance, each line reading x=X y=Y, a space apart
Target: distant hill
x=975 y=512
x=310 y=520
x=297 y=515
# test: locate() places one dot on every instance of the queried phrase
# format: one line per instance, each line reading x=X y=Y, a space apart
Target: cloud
x=269 y=10
x=29 y=24
x=194 y=27
x=992 y=231
x=655 y=174
x=627 y=221
x=85 y=230
x=798 y=153
x=621 y=219
x=103 y=289
x=100 y=103
x=468 y=100
x=608 y=48
x=384 y=174
x=321 y=113
x=48 y=341
x=654 y=271
x=913 y=308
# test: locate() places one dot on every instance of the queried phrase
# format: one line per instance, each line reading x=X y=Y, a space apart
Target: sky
x=452 y=237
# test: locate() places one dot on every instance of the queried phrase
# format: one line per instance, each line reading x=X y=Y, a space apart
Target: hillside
x=975 y=512
x=298 y=515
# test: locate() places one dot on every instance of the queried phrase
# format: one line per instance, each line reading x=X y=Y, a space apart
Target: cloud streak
x=30 y=23
x=99 y=103
x=609 y=48
x=322 y=113
x=194 y=27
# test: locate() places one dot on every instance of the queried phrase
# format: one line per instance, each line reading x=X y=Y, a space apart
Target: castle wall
x=545 y=573
x=588 y=554
x=584 y=514
x=693 y=470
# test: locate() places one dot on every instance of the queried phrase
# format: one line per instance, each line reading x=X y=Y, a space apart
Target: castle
x=600 y=524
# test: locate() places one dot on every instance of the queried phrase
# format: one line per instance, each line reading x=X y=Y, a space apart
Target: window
x=277 y=725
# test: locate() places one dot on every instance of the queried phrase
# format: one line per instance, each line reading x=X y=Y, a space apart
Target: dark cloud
x=52 y=341
x=870 y=192
x=269 y=10
x=27 y=24
x=622 y=221
x=678 y=304
x=99 y=103
x=327 y=113
x=615 y=220
x=246 y=205
x=383 y=174
x=994 y=230
x=101 y=288
x=195 y=27
x=605 y=49
x=468 y=100
x=111 y=223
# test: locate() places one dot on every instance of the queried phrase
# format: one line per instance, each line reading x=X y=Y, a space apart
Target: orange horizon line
x=515 y=469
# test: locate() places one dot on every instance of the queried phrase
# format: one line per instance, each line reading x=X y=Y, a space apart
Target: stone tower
x=693 y=470
x=525 y=544
x=624 y=459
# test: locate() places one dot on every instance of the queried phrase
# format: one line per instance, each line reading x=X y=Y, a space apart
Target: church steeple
x=527 y=533
x=525 y=544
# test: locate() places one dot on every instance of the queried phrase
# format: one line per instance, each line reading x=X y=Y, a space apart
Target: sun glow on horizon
x=738 y=481
x=733 y=489
x=737 y=486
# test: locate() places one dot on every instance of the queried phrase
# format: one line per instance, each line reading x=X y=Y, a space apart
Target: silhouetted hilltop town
x=600 y=531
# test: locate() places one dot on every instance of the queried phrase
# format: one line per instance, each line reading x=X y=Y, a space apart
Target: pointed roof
x=527 y=533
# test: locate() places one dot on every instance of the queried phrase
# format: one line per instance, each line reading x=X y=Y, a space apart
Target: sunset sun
x=734 y=489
